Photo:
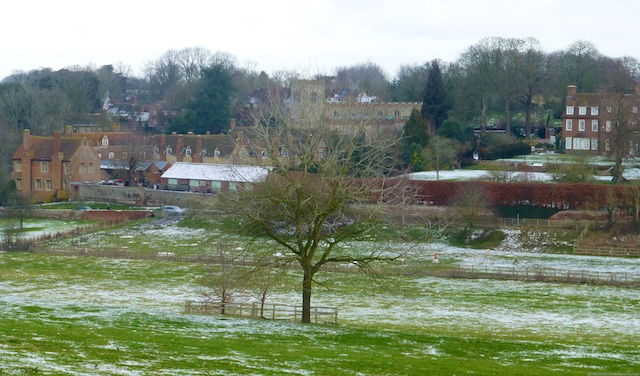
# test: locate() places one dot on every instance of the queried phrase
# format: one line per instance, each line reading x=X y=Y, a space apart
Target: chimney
x=68 y=130
x=25 y=139
x=232 y=124
x=571 y=92
x=163 y=146
x=198 y=156
x=56 y=143
x=179 y=147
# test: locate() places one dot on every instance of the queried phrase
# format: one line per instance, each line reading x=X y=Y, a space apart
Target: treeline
x=490 y=82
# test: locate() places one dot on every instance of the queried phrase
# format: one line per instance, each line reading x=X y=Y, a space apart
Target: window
x=609 y=109
x=111 y=155
x=607 y=126
x=594 y=144
x=44 y=166
x=187 y=151
x=569 y=124
x=39 y=184
x=216 y=153
x=336 y=114
x=634 y=109
x=633 y=147
x=105 y=141
x=582 y=110
x=594 y=125
x=607 y=144
x=594 y=110
x=156 y=149
x=65 y=185
x=65 y=167
x=17 y=166
x=569 y=110
x=167 y=150
x=91 y=168
x=396 y=113
x=568 y=143
x=581 y=125
x=48 y=185
x=82 y=168
x=314 y=97
x=580 y=143
x=19 y=184
x=125 y=155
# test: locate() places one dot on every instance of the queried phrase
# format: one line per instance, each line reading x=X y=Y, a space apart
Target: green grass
x=88 y=315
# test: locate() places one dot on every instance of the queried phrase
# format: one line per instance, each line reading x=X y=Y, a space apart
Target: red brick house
x=600 y=123
x=42 y=166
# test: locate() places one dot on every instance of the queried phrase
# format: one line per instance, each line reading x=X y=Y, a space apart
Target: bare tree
x=226 y=279
x=471 y=203
x=320 y=191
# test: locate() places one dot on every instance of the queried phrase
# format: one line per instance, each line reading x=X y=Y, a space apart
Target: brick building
x=43 y=166
x=601 y=123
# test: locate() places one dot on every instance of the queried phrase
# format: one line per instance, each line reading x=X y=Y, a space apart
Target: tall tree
x=212 y=104
x=311 y=204
x=415 y=136
x=435 y=103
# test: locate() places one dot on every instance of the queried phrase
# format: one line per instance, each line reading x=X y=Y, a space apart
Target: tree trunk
x=483 y=115
x=527 y=121
x=306 y=297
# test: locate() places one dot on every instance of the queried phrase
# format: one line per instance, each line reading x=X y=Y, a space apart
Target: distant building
x=601 y=123
x=43 y=166
x=212 y=178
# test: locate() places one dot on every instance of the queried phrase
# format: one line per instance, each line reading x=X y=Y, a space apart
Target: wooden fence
x=546 y=275
x=326 y=315
x=532 y=222
x=605 y=251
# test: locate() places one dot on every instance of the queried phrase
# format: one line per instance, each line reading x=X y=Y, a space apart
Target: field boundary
x=319 y=315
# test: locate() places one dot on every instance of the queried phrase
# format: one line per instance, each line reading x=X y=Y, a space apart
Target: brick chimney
x=163 y=146
x=571 y=93
x=232 y=124
x=179 y=147
x=56 y=142
x=198 y=156
x=25 y=139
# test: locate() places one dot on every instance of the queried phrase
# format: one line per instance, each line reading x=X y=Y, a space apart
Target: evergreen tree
x=435 y=104
x=212 y=104
x=415 y=136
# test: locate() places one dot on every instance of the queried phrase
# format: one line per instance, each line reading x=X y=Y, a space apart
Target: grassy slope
x=66 y=314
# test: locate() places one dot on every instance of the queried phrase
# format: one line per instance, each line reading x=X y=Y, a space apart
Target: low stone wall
x=139 y=196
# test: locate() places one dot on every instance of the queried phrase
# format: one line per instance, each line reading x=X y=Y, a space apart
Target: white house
x=210 y=178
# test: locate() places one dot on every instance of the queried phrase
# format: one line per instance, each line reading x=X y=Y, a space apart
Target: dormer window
x=582 y=110
x=216 y=153
x=594 y=110
x=187 y=151
x=105 y=141
x=156 y=149
x=569 y=110
x=167 y=150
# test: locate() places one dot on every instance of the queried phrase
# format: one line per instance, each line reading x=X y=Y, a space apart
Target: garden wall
x=139 y=196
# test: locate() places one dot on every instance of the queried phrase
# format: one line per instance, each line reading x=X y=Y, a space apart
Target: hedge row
x=562 y=196
x=504 y=151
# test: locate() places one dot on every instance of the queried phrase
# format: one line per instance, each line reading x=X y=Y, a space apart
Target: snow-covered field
x=506 y=308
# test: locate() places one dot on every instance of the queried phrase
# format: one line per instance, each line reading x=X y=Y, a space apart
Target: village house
x=600 y=123
x=44 y=167
x=212 y=178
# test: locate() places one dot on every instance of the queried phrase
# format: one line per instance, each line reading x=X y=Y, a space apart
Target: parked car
x=173 y=210
x=83 y=208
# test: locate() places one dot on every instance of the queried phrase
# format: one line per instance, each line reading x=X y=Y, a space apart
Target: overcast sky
x=296 y=34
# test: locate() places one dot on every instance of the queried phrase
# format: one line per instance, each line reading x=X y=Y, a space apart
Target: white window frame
x=634 y=109
x=105 y=141
x=594 y=110
x=582 y=125
x=594 y=143
x=569 y=125
x=17 y=166
x=607 y=144
x=44 y=166
x=582 y=110
x=38 y=184
x=568 y=144
x=594 y=125
x=569 y=110
x=607 y=126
